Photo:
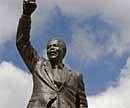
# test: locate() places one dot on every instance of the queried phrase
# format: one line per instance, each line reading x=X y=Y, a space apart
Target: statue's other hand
x=29 y=7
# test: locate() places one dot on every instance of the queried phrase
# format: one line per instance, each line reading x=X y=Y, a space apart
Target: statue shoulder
x=41 y=61
x=75 y=73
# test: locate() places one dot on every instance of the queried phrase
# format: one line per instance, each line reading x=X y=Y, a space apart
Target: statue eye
x=55 y=45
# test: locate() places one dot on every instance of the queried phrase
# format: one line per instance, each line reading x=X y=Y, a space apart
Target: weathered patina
x=54 y=85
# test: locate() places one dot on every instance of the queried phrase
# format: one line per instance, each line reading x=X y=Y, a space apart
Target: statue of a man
x=54 y=86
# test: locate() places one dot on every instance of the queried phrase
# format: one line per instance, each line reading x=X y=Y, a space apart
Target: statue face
x=56 y=50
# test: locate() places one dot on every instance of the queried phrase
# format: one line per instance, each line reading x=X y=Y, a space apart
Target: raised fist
x=29 y=7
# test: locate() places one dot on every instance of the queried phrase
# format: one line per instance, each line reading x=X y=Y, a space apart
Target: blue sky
x=98 y=41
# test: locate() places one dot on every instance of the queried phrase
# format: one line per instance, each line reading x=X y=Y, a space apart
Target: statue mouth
x=53 y=53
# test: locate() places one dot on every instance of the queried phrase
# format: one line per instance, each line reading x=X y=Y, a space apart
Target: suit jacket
x=46 y=94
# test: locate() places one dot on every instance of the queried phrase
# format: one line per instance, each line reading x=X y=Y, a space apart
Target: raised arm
x=23 y=44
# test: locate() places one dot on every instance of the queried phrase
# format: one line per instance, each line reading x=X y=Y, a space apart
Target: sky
x=97 y=36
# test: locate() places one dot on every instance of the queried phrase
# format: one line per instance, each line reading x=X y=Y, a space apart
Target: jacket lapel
x=45 y=73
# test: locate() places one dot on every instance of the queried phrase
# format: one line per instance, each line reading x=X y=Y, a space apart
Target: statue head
x=56 y=50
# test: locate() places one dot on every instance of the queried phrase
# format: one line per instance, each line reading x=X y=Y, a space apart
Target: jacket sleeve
x=81 y=97
x=23 y=44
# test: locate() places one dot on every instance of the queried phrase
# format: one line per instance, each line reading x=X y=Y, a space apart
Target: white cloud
x=113 y=97
x=83 y=46
x=119 y=43
x=111 y=10
x=15 y=86
x=10 y=11
x=8 y=19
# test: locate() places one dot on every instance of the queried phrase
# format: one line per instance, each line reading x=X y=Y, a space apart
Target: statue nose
x=52 y=49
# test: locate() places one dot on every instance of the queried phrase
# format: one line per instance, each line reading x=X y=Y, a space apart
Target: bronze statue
x=54 y=85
